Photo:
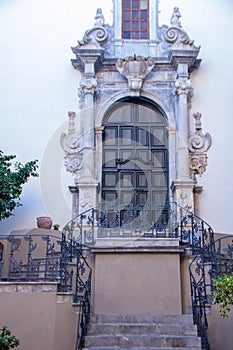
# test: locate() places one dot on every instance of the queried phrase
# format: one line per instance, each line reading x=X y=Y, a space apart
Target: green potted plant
x=223 y=294
x=7 y=340
x=56 y=227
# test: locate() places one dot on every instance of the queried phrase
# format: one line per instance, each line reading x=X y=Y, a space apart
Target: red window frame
x=135 y=20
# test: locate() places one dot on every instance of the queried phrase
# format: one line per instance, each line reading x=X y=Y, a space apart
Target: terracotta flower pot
x=44 y=222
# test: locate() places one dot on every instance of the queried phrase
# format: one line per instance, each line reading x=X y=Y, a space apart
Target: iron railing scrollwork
x=81 y=233
x=83 y=297
x=213 y=260
x=50 y=258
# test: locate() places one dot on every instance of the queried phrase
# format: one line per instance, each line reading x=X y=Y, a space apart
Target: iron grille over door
x=135 y=165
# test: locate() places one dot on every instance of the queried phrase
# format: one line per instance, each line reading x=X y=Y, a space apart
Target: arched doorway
x=135 y=166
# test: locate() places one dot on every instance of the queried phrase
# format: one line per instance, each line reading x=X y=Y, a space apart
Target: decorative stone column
x=98 y=153
x=87 y=183
x=183 y=186
x=89 y=55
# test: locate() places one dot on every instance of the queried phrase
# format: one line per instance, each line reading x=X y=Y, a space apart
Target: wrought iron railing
x=80 y=232
x=83 y=297
x=171 y=221
x=33 y=257
x=61 y=258
x=42 y=258
x=51 y=258
x=193 y=231
x=213 y=260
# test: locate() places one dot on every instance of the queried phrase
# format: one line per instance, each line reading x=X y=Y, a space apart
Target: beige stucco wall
x=37 y=316
x=137 y=283
x=65 y=323
x=185 y=282
x=220 y=330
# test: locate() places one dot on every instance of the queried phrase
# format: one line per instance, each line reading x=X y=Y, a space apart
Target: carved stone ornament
x=135 y=70
x=73 y=163
x=183 y=85
x=175 y=20
x=71 y=145
x=175 y=34
x=97 y=36
x=198 y=147
x=88 y=86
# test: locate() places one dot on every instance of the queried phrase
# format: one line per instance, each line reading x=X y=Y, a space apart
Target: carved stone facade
x=157 y=71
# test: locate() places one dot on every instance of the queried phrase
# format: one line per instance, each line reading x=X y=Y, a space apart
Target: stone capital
x=88 y=86
x=183 y=86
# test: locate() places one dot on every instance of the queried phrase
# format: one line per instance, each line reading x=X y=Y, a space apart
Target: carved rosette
x=198 y=147
x=135 y=69
x=71 y=145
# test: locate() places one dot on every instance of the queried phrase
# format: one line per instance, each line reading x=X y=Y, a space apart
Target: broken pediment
x=96 y=36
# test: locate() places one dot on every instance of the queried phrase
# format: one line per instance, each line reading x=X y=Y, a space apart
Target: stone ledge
x=28 y=287
x=165 y=245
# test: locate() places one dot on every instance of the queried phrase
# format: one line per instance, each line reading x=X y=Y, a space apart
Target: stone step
x=138 y=332
x=117 y=348
x=141 y=318
x=142 y=341
x=142 y=328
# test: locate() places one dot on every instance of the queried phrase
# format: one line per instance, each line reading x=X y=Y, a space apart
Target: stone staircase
x=137 y=332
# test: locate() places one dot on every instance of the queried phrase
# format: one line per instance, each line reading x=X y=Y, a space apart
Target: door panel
x=135 y=169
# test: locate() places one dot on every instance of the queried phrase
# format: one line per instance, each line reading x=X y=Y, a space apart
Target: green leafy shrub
x=11 y=180
x=7 y=340
x=223 y=295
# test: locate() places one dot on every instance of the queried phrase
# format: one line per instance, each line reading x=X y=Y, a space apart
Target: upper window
x=135 y=19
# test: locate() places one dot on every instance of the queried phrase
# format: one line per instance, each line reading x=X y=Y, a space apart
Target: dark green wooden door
x=135 y=165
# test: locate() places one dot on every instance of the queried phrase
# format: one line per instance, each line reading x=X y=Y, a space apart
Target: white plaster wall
x=38 y=86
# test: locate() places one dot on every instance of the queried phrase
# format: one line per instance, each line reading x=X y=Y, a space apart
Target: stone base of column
x=87 y=196
x=75 y=200
x=183 y=193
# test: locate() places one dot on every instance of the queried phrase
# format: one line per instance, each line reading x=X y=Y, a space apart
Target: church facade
x=135 y=151
x=138 y=155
